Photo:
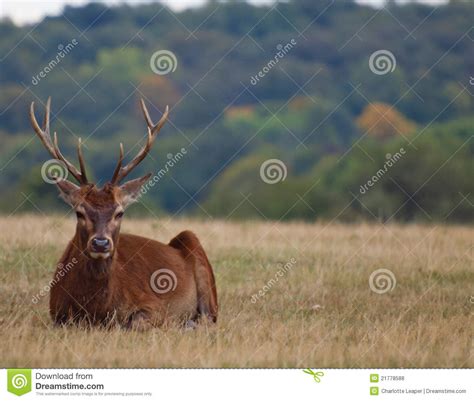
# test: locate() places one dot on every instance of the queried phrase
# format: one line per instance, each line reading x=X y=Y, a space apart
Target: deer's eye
x=79 y=215
x=119 y=215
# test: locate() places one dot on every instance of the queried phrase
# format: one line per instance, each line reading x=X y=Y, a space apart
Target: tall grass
x=319 y=312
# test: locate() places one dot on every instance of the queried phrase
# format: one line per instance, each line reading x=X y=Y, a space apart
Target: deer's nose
x=100 y=244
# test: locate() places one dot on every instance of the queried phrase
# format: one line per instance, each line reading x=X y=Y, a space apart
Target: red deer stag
x=115 y=277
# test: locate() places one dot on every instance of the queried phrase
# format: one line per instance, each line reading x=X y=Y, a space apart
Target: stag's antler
x=53 y=148
x=121 y=172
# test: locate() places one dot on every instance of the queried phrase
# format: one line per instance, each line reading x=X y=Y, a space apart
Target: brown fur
x=104 y=276
x=100 y=291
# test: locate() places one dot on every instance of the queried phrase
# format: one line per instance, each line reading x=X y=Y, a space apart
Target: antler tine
x=118 y=166
x=80 y=156
x=46 y=115
x=153 y=127
x=121 y=172
x=72 y=169
x=52 y=147
x=43 y=133
x=145 y=113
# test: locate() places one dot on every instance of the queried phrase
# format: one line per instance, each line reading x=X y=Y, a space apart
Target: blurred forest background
x=320 y=110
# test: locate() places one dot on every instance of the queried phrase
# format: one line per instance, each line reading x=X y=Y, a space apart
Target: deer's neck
x=99 y=269
x=91 y=269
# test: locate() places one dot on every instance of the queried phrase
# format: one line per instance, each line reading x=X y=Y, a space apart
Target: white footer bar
x=237 y=384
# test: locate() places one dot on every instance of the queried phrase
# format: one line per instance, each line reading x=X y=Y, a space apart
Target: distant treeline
x=291 y=82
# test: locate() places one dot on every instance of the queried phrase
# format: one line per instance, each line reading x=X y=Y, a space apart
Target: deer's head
x=99 y=211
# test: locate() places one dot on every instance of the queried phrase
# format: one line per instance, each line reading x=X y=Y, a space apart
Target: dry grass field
x=318 y=311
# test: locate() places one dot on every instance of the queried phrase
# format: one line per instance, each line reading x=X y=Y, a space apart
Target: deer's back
x=149 y=275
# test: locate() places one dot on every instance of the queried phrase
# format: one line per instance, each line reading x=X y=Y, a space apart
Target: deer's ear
x=130 y=191
x=68 y=191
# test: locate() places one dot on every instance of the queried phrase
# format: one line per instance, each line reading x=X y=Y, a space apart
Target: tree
x=383 y=121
